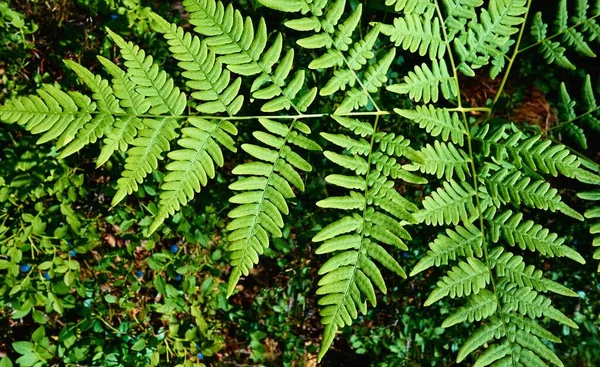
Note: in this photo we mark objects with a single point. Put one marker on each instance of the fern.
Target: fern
(265, 186)
(425, 83)
(350, 275)
(574, 36)
(414, 32)
(337, 39)
(488, 37)
(493, 174)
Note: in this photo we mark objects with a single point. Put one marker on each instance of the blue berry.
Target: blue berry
(46, 276)
(178, 277)
(25, 268)
(139, 273)
(72, 253)
(200, 355)
(113, 16)
(174, 249)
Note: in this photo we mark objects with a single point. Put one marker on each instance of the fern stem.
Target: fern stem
(558, 34)
(232, 118)
(513, 57)
(470, 109)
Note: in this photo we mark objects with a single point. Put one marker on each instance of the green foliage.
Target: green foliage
(494, 180)
(575, 32)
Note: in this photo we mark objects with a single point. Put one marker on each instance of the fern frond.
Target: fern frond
(576, 36)
(552, 51)
(151, 82)
(336, 38)
(444, 160)
(377, 211)
(264, 188)
(493, 329)
(165, 99)
(425, 83)
(437, 122)
(479, 307)
(143, 156)
(506, 186)
(512, 145)
(414, 32)
(55, 114)
(512, 267)
(108, 105)
(571, 36)
(484, 39)
(204, 72)
(528, 302)
(529, 235)
(462, 242)
(449, 205)
(458, 14)
(193, 165)
(464, 279)
(373, 79)
(572, 121)
(244, 50)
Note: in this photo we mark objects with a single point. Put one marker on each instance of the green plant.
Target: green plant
(494, 174)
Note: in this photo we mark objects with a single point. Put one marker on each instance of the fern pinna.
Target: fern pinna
(493, 174)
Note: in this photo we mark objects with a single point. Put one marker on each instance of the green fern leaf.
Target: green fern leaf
(425, 83)
(531, 152)
(529, 303)
(143, 156)
(479, 307)
(204, 72)
(376, 211)
(458, 14)
(444, 160)
(512, 267)
(245, 52)
(484, 38)
(54, 113)
(449, 205)
(552, 51)
(417, 33)
(437, 122)
(463, 242)
(410, 7)
(193, 165)
(263, 193)
(108, 105)
(529, 235)
(373, 79)
(464, 279)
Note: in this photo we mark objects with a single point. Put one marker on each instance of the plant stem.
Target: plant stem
(513, 57)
